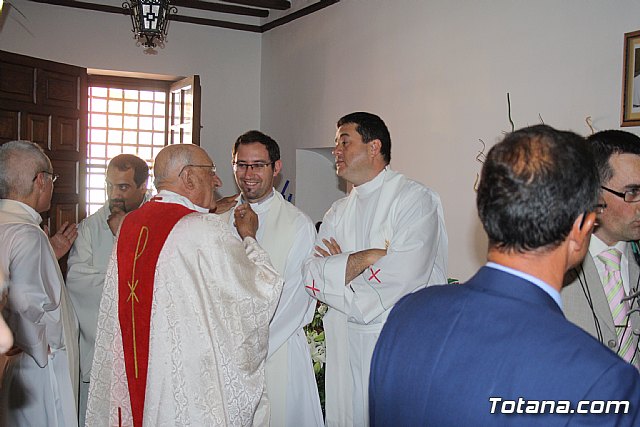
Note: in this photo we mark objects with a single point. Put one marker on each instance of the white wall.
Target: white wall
(317, 185)
(438, 72)
(227, 61)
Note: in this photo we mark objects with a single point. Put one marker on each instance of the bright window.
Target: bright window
(121, 121)
(136, 116)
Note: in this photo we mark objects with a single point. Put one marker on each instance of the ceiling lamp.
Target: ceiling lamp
(150, 20)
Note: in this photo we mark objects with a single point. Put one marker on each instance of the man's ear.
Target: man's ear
(277, 167)
(375, 147)
(188, 179)
(39, 182)
(582, 228)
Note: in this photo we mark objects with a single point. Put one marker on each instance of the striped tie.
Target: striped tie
(619, 309)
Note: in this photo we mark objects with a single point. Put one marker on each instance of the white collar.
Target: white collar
(17, 207)
(261, 206)
(597, 246)
(366, 189)
(166, 196)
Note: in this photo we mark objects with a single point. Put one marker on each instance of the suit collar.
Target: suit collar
(511, 286)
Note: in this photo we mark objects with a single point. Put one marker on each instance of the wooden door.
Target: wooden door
(46, 102)
(184, 111)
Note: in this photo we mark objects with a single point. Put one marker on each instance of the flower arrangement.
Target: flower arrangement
(315, 338)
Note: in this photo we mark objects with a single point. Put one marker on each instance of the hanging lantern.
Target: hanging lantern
(150, 19)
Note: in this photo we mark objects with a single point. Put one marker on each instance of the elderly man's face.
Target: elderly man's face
(44, 201)
(206, 181)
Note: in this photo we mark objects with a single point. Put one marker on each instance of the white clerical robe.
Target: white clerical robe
(288, 235)
(389, 212)
(40, 382)
(213, 298)
(87, 267)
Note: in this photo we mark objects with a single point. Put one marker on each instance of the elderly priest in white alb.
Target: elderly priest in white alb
(40, 379)
(183, 323)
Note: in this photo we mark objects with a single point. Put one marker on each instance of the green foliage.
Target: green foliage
(315, 338)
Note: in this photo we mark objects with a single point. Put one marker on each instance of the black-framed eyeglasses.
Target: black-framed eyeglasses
(240, 166)
(630, 196)
(212, 168)
(54, 176)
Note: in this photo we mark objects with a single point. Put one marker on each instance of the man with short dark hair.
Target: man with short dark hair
(287, 234)
(497, 350)
(383, 241)
(126, 186)
(602, 295)
(40, 380)
(183, 324)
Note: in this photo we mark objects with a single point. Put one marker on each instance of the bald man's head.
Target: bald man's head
(170, 160)
(188, 170)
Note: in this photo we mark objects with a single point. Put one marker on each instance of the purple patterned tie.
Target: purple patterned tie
(614, 291)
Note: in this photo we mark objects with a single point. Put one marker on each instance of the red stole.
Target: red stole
(142, 236)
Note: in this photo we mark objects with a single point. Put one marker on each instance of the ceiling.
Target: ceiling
(244, 15)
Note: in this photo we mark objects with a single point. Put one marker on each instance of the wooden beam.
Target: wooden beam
(223, 8)
(216, 23)
(193, 4)
(200, 21)
(86, 6)
(180, 18)
(297, 14)
(265, 4)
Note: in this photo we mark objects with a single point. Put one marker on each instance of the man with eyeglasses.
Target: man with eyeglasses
(40, 381)
(184, 316)
(601, 295)
(497, 350)
(385, 240)
(126, 189)
(287, 234)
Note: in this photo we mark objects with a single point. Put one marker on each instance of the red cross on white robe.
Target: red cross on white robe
(374, 274)
(313, 288)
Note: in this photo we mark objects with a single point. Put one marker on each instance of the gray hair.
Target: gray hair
(20, 162)
(169, 162)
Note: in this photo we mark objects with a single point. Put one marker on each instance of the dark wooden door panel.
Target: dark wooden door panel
(65, 213)
(66, 134)
(16, 82)
(58, 90)
(46, 102)
(67, 184)
(39, 130)
(9, 125)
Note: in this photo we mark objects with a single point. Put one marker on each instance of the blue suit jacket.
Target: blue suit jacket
(446, 350)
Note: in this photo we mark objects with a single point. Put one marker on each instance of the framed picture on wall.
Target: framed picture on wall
(631, 80)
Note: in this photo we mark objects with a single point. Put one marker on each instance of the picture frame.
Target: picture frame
(631, 80)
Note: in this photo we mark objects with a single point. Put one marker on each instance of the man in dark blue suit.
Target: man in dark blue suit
(498, 350)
